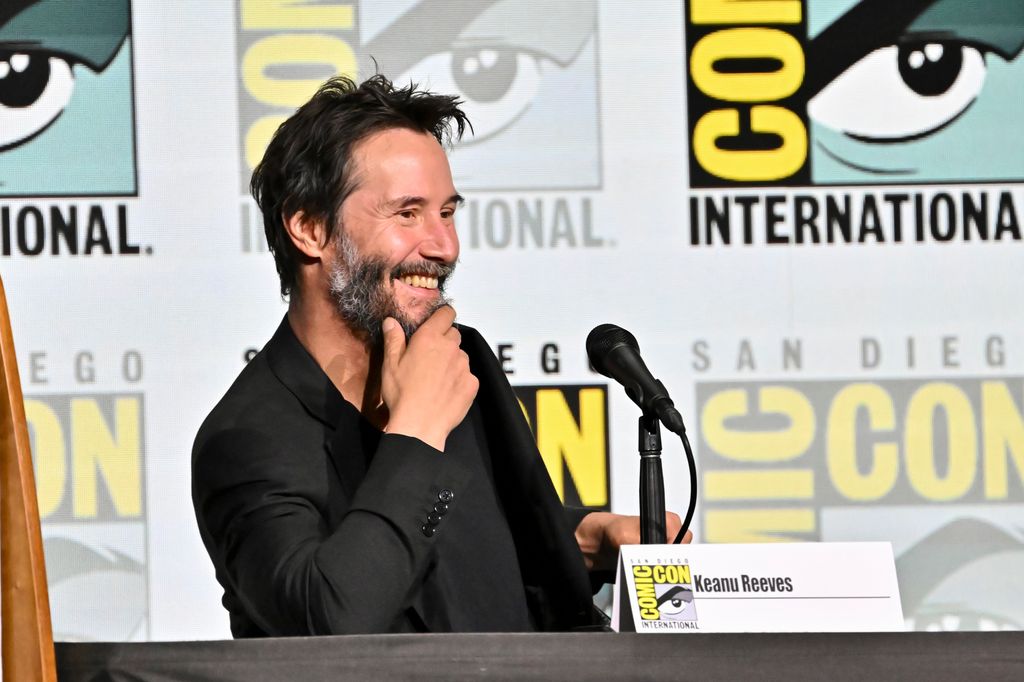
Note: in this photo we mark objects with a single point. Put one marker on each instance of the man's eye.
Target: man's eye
(497, 83)
(902, 92)
(34, 89)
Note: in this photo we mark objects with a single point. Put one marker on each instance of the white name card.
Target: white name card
(777, 587)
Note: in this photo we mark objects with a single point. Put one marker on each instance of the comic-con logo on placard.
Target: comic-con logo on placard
(847, 92)
(664, 594)
(526, 70)
(66, 103)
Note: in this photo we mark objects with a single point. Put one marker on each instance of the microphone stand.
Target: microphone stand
(652, 482)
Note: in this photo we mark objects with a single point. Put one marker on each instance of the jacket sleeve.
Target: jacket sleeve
(260, 509)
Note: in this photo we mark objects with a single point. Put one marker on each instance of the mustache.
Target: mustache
(424, 267)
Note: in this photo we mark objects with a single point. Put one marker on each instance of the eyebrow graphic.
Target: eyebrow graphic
(872, 24)
(869, 25)
(676, 592)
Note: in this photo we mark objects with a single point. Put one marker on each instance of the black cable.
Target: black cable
(693, 489)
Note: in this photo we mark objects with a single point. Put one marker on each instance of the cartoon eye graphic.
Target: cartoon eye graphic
(497, 83)
(673, 607)
(902, 92)
(34, 89)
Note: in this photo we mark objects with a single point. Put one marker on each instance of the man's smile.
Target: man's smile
(419, 281)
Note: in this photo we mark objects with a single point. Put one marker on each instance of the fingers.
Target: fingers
(440, 321)
(394, 341)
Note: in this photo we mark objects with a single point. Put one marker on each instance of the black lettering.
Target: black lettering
(747, 204)
(96, 232)
(896, 201)
(23, 231)
(123, 246)
(772, 219)
(716, 219)
(942, 231)
(65, 228)
(870, 222)
(975, 215)
(549, 362)
(806, 209)
(505, 357)
(838, 217)
(1006, 218)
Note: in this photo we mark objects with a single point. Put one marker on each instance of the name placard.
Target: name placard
(778, 587)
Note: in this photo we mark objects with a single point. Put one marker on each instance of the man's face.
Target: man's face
(396, 243)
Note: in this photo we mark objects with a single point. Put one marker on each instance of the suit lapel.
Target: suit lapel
(296, 369)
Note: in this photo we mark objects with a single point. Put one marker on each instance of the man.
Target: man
(370, 469)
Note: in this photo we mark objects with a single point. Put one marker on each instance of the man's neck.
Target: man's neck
(344, 355)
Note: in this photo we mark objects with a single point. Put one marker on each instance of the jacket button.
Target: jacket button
(428, 530)
(434, 519)
(440, 508)
(446, 495)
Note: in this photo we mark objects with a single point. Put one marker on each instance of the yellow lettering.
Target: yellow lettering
(290, 50)
(758, 525)
(920, 446)
(1003, 438)
(295, 14)
(117, 458)
(48, 455)
(759, 446)
(748, 43)
(746, 11)
(841, 443)
(581, 446)
(762, 484)
(751, 165)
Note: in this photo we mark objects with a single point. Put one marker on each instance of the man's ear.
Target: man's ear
(309, 235)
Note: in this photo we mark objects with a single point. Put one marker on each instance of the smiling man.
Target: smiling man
(370, 469)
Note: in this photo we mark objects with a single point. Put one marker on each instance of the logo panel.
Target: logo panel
(67, 120)
(851, 92)
(527, 73)
(89, 455)
(932, 465)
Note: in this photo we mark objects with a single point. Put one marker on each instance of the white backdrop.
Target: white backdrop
(833, 391)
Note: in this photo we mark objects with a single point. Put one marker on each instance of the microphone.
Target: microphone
(615, 353)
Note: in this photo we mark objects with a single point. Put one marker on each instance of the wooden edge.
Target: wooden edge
(27, 634)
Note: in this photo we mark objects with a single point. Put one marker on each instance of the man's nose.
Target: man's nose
(442, 242)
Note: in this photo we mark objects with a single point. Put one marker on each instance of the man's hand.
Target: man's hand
(426, 384)
(600, 535)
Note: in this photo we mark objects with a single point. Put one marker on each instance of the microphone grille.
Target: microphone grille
(602, 339)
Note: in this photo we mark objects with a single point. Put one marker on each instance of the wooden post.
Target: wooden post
(25, 617)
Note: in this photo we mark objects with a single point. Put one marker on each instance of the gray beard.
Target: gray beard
(363, 295)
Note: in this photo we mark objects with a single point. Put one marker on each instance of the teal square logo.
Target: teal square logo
(67, 117)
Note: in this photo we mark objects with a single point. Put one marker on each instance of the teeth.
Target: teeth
(421, 281)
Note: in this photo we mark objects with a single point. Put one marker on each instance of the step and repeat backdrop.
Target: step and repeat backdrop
(809, 212)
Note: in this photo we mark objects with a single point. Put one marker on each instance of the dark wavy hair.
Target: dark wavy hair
(308, 164)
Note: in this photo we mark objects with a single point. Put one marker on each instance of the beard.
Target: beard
(363, 290)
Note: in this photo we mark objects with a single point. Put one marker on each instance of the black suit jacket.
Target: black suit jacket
(307, 538)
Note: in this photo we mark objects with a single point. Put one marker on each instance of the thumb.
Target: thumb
(394, 341)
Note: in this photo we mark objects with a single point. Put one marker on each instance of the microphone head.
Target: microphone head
(604, 338)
